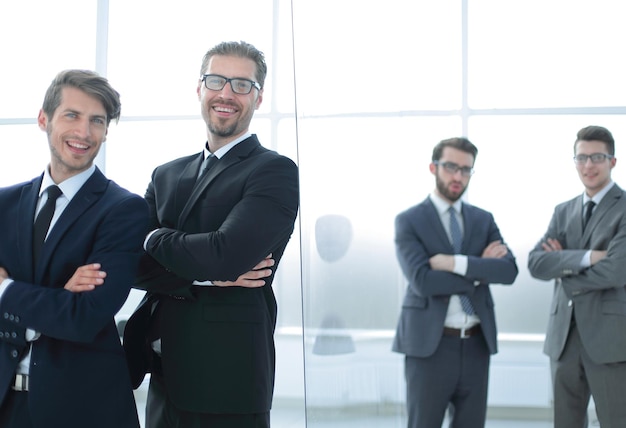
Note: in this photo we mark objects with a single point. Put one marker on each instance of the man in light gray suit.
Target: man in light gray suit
(584, 251)
(450, 251)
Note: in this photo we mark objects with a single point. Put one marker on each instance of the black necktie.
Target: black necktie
(588, 212)
(42, 223)
(207, 164)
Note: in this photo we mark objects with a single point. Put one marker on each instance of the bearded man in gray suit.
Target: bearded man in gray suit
(584, 251)
(450, 251)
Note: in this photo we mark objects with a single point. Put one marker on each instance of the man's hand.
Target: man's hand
(551, 244)
(596, 256)
(252, 279)
(495, 250)
(86, 278)
(442, 262)
(3, 274)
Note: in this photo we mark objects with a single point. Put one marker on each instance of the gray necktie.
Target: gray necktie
(457, 240)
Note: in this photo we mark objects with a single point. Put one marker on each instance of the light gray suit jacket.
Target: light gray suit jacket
(596, 295)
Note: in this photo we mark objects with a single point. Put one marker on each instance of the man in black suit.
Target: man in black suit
(213, 362)
(61, 360)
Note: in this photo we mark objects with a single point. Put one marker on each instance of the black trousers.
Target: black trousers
(14, 410)
(161, 413)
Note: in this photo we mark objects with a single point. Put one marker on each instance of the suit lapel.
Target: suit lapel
(234, 156)
(605, 205)
(186, 183)
(574, 224)
(89, 194)
(437, 226)
(27, 204)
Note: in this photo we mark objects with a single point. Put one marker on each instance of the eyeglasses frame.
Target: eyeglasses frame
(230, 80)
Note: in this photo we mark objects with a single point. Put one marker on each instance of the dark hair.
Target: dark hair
(596, 133)
(242, 50)
(460, 143)
(87, 81)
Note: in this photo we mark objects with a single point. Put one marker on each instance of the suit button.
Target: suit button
(14, 353)
(11, 317)
(6, 315)
(1, 335)
(570, 303)
(14, 335)
(17, 318)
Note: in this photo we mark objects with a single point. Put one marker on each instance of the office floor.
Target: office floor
(285, 416)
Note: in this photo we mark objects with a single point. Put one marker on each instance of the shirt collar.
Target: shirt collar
(442, 205)
(224, 149)
(598, 196)
(70, 186)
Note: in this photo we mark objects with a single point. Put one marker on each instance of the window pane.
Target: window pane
(156, 50)
(538, 53)
(359, 57)
(39, 39)
(24, 153)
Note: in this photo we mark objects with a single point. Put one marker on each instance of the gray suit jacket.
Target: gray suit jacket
(596, 295)
(419, 236)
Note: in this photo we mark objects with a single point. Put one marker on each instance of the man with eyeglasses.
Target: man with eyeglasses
(584, 252)
(450, 251)
(215, 214)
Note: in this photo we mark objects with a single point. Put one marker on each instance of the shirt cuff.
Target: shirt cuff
(32, 335)
(148, 236)
(460, 264)
(4, 285)
(586, 261)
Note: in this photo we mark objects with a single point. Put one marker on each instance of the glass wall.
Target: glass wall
(357, 94)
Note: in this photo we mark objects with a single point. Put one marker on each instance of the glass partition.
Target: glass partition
(358, 93)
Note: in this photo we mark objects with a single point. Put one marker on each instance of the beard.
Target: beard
(446, 193)
(222, 131)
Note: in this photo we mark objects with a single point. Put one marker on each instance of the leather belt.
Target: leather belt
(462, 333)
(20, 383)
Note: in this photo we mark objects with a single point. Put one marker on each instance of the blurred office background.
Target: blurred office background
(358, 93)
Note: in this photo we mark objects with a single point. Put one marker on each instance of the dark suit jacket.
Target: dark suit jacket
(78, 374)
(596, 295)
(419, 236)
(217, 343)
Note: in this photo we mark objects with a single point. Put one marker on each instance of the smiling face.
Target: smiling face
(75, 131)
(594, 176)
(227, 114)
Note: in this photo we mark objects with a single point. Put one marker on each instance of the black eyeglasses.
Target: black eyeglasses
(452, 168)
(215, 82)
(595, 158)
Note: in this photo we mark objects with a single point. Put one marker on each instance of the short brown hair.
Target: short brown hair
(460, 143)
(89, 82)
(596, 133)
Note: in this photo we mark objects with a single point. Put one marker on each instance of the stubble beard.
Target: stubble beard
(225, 131)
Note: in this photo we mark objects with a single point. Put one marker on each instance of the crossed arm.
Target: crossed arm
(88, 277)
(552, 244)
(445, 262)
